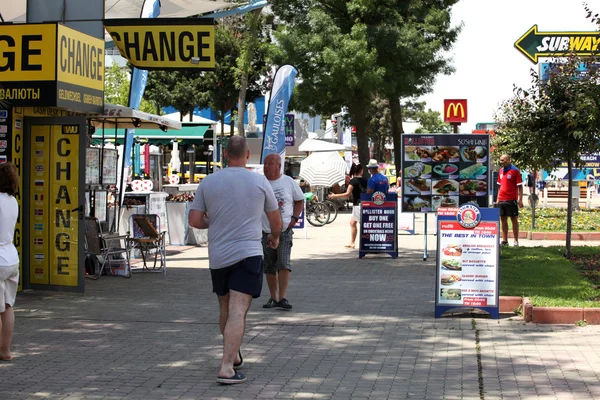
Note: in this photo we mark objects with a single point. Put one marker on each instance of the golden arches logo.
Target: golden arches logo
(454, 107)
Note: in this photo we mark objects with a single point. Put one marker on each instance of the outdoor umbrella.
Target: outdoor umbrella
(323, 169)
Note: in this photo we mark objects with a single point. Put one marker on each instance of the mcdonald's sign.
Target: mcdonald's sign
(455, 111)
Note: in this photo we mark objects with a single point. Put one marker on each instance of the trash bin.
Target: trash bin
(575, 193)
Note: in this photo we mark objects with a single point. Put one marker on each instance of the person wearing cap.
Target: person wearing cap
(377, 182)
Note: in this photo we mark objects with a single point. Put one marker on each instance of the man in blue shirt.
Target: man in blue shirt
(378, 182)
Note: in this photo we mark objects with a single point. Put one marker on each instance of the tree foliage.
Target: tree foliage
(557, 119)
(116, 88)
(348, 53)
(430, 121)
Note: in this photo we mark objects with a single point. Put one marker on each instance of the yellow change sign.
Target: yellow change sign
(174, 43)
(51, 65)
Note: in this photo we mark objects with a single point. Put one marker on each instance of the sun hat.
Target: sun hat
(373, 163)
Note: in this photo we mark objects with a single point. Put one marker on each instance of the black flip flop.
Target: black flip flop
(241, 364)
(238, 377)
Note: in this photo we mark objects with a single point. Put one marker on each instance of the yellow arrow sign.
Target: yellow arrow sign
(534, 44)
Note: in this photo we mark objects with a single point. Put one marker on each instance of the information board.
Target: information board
(444, 170)
(92, 166)
(378, 224)
(467, 259)
(109, 166)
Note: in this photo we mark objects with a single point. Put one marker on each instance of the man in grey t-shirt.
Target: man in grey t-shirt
(231, 203)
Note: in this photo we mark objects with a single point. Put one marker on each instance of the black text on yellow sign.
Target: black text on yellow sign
(175, 43)
(51, 65)
(64, 196)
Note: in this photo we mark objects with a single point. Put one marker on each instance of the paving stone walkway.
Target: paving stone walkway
(359, 329)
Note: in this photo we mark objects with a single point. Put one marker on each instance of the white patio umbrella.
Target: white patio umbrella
(323, 169)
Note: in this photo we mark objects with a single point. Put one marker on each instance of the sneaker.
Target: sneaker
(271, 303)
(283, 303)
(516, 244)
(503, 244)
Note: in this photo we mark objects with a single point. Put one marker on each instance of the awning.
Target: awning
(189, 134)
(15, 10)
(321, 145)
(116, 116)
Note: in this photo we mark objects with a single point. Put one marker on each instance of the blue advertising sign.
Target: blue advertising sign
(378, 224)
(468, 259)
(289, 128)
(300, 223)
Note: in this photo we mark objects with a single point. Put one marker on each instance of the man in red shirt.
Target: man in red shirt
(510, 198)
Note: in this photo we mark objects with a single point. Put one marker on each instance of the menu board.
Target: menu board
(109, 166)
(467, 258)
(378, 224)
(92, 166)
(444, 170)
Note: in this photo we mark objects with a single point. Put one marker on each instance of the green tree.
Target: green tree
(251, 62)
(349, 52)
(430, 121)
(116, 88)
(557, 119)
(411, 39)
(184, 90)
(328, 43)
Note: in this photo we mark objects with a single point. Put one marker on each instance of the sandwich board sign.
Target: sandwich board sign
(468, 254)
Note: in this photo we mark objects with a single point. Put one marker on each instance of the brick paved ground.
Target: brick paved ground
(360, 329)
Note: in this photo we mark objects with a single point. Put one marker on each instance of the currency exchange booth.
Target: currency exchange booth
(52, 78)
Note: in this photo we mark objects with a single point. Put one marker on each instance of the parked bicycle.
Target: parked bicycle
(317, 213)
(333, 210)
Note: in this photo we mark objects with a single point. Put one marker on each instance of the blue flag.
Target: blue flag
(274, 132)
(150, 9)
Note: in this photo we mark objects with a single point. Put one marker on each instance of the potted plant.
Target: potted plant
(177, 215)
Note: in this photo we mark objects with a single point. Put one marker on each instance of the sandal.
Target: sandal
(238, 377)
(349, 246)
(241, 364)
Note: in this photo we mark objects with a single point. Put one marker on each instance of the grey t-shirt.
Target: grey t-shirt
(235, 200)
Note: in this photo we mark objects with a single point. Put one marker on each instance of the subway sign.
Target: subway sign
(51, 65)
(455, 111)
(172, 44)
(534, 44)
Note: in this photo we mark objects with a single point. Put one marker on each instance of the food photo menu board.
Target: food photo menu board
(444, 170)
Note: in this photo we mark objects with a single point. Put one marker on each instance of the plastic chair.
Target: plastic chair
(147, 239)
(105, 247)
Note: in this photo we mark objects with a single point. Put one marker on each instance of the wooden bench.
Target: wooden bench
(564, 193)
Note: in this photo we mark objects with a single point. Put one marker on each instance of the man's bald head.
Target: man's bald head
(237, 147)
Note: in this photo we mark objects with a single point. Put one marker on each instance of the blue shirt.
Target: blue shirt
(379, 183)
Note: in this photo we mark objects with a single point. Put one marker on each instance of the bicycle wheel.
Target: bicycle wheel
(317, 214)
(333, 210)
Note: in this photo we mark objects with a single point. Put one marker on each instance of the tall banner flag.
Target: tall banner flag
(274, 132)
(150, 9)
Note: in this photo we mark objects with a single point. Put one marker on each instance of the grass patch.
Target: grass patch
(549, 279)
(555, 220)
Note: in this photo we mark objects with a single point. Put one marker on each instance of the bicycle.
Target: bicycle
(333, 210)
(317, 213)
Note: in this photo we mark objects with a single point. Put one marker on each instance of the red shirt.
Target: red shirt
(509, 179)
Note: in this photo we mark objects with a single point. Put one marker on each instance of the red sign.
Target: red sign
(455, 111)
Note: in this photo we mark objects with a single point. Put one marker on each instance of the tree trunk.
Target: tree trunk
(569, 207)
(242, 103)
(191, 115)
(397, 131)
(231, 123)
(358, 114)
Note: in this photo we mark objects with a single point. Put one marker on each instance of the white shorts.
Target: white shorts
(9, 281)
(356, 213)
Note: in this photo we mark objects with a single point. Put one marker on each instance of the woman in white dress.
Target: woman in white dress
(9, 258)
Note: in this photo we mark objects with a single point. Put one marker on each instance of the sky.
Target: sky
(487, 63)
